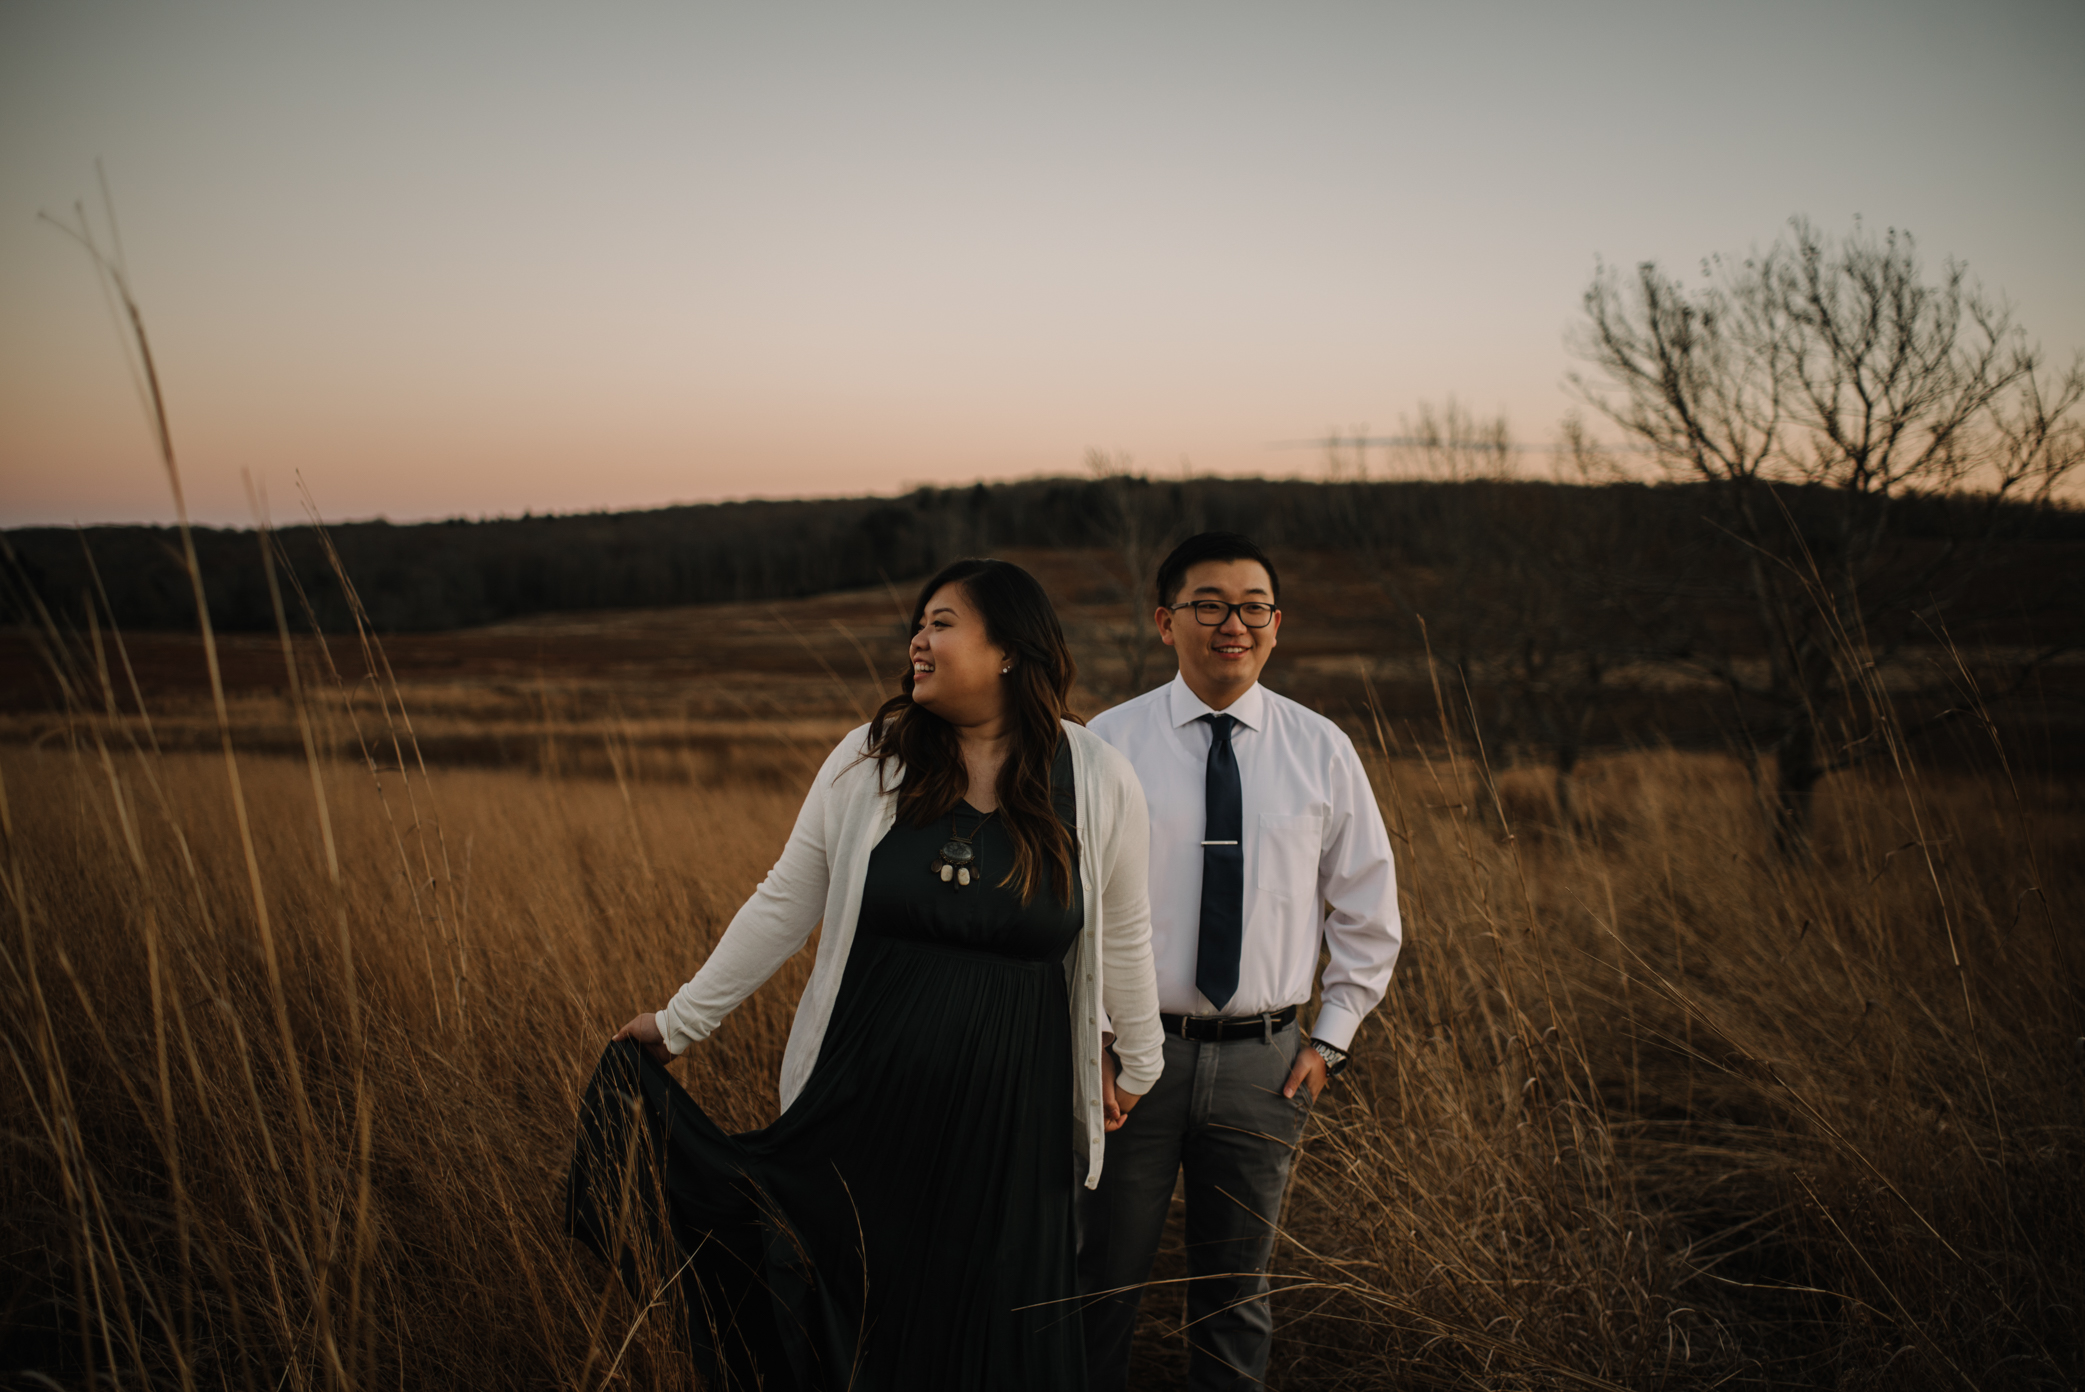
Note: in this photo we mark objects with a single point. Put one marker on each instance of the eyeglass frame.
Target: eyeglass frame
(1229, 609)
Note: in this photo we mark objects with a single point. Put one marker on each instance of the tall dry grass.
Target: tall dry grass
(294, 1052)
(1647, 1106)
(350, 1178)
(1655, 1106)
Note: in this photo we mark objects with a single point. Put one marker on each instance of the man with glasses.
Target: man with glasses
(1266, 846)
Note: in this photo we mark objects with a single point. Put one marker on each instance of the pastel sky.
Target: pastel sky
(481, 258)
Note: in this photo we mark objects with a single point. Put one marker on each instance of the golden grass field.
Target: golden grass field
(295, 1043)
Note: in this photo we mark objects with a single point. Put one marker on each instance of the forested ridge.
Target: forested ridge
(432, 576)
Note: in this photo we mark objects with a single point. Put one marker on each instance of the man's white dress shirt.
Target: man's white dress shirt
(1313, 837)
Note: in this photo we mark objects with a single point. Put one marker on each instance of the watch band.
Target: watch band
(1335, 1058)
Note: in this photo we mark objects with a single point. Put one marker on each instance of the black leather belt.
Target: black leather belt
(1219, 1027)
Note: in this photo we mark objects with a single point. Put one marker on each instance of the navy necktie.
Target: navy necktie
(1223, 868)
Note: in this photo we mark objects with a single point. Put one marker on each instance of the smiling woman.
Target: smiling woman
(978, 722)
(979, 863)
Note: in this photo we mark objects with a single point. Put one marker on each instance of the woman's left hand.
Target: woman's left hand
(1115, 1101)
(645, 1030)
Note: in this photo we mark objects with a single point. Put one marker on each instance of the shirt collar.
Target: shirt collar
(1184, 706)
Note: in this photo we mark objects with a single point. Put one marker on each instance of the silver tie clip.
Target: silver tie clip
(1219, 843)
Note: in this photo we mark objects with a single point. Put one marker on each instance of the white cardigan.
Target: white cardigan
(820, 876)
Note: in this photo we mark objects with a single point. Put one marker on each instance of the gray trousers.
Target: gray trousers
(1218, 1114)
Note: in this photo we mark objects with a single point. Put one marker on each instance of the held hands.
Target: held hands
(645, 1030)
(1310, 1069)
(1115, 1102)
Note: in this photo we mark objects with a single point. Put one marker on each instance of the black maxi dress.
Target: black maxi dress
(907, 1222)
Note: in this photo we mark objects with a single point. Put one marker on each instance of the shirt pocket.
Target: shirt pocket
(1286, 855)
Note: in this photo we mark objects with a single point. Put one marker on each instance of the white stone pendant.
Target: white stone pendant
(954, 862)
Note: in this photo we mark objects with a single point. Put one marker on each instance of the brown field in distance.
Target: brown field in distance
(289, 1103)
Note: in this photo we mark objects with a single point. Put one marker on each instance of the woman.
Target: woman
(908, 1220)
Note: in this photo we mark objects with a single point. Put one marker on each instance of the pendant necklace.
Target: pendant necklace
(957, 860)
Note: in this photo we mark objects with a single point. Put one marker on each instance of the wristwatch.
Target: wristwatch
(1335, 1059)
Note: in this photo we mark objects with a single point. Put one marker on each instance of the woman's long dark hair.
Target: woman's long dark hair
(1019, 618)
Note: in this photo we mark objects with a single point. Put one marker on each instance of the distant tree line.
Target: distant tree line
(440, 575)
(1556, 605)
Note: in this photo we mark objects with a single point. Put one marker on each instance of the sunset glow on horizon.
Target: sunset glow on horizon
(479, 260)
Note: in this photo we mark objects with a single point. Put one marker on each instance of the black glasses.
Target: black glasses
(1211, 612)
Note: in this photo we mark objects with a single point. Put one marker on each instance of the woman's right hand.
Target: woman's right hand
(645, 1030)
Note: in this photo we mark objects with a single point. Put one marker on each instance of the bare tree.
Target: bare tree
(1818, 386)
(1452, 444)
(1538, 597)
(1346, 456)
(1577, 457)
(1578, 592)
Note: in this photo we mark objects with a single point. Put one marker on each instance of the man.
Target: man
(1261, 817)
